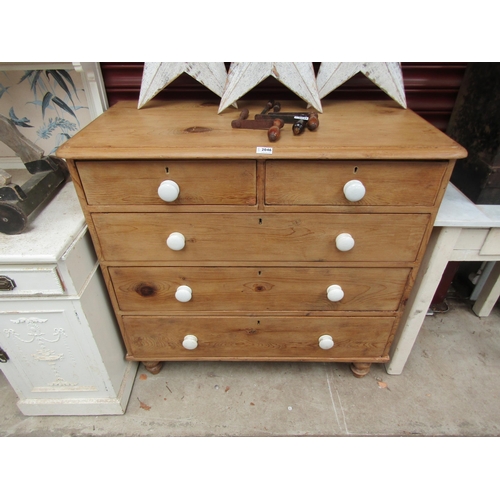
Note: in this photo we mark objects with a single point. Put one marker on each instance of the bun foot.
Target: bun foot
(360, 369)
(153, 367)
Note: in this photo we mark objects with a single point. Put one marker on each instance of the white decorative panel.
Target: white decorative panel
(44, 349)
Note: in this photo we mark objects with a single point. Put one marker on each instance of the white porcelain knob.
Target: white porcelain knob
(184, 293)
(354, 190)
(176, 241)
(344, 242)
(190, 342)
(168, 191)
(335, 293)
(326, 342)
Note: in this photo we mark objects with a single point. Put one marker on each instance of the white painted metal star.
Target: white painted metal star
(157, 75)
(244, 76)
(387, 76)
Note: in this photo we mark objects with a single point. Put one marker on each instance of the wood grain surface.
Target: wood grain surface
(152, 289)
(209, 182)
(260, 229)
(184, 129)
(284, 237)
(160, 337)
(387, 183)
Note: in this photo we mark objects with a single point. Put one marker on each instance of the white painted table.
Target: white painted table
(462, 231)
(65, 353)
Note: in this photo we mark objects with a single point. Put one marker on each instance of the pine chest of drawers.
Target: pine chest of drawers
(214, 250)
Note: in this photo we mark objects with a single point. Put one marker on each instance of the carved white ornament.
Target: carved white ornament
(34, 331)
(387, 76)
(29, 320)
(298, 77)
(157, 75)
(44, 354)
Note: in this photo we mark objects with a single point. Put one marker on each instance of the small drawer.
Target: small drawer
(203, 182)
(293, 237)
(356, 183)
(251, 338)
(252, 289)
(29, 281)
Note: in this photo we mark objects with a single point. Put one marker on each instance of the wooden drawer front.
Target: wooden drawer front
(393, 183)
(161, 337)
(208, 182)
(249, 289)
(260, 237)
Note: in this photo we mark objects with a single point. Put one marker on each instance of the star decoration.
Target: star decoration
(244, 76)
(157, 75)
(387, 76)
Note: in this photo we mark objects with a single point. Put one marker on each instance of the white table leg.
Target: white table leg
(489, 294)
(435, 260)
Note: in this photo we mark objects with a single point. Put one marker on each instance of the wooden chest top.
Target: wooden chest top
(194, 130)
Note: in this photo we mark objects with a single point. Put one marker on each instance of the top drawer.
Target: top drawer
(209, 182)
(386, 183)
(30, 280)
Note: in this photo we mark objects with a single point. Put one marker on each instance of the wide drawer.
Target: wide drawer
(30, 280)
(260, 237)
(220, 289)
(203, 182)
(161, 337)
(387, 183)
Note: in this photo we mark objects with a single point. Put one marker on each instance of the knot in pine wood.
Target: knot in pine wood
(197, 130)
(146, 290)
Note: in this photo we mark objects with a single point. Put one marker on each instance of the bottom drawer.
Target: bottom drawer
(250, 338)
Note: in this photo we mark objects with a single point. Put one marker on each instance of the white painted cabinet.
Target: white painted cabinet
(57, 327)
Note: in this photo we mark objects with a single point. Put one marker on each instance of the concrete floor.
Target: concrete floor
(449, 388)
